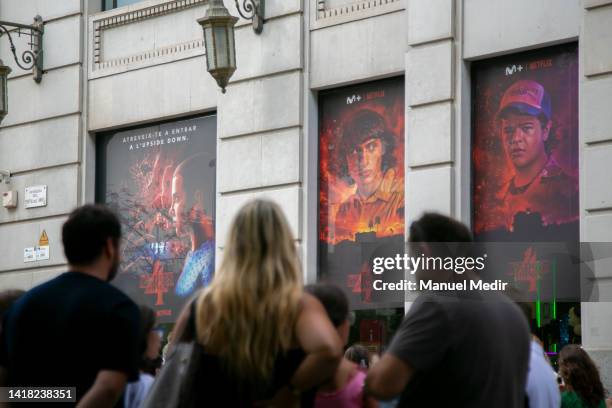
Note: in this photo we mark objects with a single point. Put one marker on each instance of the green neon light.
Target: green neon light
(554, 304)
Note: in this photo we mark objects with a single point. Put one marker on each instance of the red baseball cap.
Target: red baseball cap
(527, 97)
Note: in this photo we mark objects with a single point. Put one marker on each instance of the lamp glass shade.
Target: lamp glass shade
(222, 46)
(218, 26)
(3, 95)
(210, 46)
(4, 72)
(232, 47)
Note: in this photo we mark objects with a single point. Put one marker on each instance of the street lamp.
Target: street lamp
(218, 26)
(4, 72)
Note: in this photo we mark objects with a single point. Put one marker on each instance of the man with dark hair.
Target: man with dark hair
(77, 330)
(538, 183)
(460, 348)
(367, 159)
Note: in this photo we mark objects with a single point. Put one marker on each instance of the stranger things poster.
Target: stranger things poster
(361, 187)
(160, 180)
(525, 167)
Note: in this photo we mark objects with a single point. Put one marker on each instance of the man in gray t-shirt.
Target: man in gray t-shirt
(460, 348)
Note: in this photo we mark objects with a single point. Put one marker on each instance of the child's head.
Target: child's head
(336, 305)
(359, 355)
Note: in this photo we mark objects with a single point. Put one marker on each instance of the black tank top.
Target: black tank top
(217, 388)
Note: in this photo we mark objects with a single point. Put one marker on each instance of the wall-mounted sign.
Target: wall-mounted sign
(29, 254)
(44, 239)
(42, 253)
(35, 196)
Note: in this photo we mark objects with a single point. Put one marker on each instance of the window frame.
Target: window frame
(114, 4)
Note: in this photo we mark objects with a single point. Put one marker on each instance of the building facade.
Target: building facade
(142, 65)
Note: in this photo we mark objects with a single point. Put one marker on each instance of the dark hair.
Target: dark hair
(580, 373)
(86, 232)
(7, 298)
(147, 323)
(358, 354)
(363, 125)
(432, 227)
(333, 299)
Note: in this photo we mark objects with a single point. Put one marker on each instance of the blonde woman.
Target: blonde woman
(265, 341)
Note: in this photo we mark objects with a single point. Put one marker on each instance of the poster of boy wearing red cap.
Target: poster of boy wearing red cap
(539, 182)
(525, 145)
(525, 207)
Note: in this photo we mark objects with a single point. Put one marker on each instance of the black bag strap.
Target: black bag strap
(190, 330)
(189, 390)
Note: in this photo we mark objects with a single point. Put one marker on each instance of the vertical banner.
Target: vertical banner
(160, 180)
(361, 186)
(525, 174)
(525, 146)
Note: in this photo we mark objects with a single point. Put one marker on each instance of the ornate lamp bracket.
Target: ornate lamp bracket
(32, 58)
(254, 10)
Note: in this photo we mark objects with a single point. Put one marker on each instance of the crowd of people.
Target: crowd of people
(257, 337)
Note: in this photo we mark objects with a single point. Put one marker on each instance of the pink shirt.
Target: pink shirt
(350, 396)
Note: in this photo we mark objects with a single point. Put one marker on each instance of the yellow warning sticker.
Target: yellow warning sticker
(44, 239)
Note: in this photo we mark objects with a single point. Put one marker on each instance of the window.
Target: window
(160, 181)
(112, 4)
(361, 154)
(525, 111)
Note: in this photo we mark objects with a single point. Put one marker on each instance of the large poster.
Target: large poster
(361, 185)
(161, 182)
(525, 169)
(525, 146)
